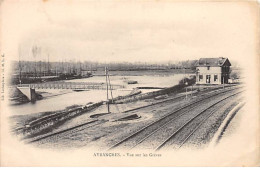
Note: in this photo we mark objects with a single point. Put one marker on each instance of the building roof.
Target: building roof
(213, 62)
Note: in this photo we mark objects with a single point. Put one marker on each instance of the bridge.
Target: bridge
(29, 89)
(71, 85)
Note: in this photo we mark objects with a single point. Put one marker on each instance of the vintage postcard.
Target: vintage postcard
(129, 83)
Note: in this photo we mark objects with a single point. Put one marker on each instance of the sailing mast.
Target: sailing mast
(20, 66)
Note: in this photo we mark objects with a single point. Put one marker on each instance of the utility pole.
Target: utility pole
(186, 97)
(108, 110)
(183, 76)
(110, 88)
(223, 82)
(191, 90)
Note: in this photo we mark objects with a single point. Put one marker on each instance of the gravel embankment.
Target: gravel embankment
(104, 135)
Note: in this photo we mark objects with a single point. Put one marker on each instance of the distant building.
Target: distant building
(212, 70)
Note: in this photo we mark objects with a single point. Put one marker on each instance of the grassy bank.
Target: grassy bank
(174, 89)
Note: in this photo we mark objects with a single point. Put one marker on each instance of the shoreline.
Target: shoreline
(36, 123)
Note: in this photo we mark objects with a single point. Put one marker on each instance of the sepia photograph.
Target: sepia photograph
(129, 83)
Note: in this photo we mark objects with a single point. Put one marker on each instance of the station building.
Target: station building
(212, 70)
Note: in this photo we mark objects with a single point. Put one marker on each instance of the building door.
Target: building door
(223, 80)
(207, 78)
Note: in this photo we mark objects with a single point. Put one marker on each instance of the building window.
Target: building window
(207, 78)
(215, 77)
(208, 67)
(200, 77)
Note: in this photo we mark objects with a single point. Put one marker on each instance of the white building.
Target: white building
(212, 70)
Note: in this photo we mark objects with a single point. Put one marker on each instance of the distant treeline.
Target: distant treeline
(56, 68)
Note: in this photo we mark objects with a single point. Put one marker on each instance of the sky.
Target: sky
(127, 31)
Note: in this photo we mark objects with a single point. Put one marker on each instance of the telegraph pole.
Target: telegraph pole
(110, 88)
(186, 97)
(108, 110)
(223, 82)
(191, 90)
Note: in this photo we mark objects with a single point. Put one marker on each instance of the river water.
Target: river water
(60, 99)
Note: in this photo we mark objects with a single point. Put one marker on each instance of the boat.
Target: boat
(132, 82)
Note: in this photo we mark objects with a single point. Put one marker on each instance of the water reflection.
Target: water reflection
(60, 99)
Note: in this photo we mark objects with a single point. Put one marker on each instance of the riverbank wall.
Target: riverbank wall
(46, 123)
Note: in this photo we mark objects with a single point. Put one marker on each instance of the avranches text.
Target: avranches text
(104, 154)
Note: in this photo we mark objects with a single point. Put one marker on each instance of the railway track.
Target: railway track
(191, 125)
(139, 136)
(90, 124)
(167, 127)
(177, 98)
(68, 131)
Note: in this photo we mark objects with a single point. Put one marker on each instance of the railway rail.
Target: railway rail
(91, 124)
(179, 97)
(167, 126)
(142, 134)
(69, 130)
(197, 120)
